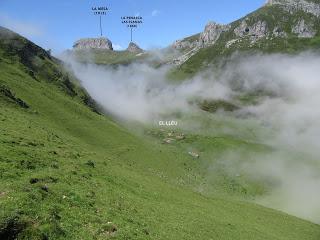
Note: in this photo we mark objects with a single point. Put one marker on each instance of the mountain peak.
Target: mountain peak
(308, 6)
(93, 43)
(212, 33)
(272, 2)
(134, 48)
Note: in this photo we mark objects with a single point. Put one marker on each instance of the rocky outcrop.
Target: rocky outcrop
(256, 28)
(211, 33)
(303, 30)
(242, 29)
(209, 36)
(279, 32)
(295, 5)
(181, 59)
(256, 31)
(93, 43)
(134, 48)
(231, 42)
(184, 44)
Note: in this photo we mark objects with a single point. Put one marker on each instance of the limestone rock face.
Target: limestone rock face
(295, 5)
(93, 43)
(212, 33)
(134, 48)
(183, 58)
(208, 37)
(299, 18)
(303, 30)
(278, 32)
(256, 31)
(183, 44)
(242, 29)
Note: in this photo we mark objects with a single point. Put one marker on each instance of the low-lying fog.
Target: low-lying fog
(141, 93)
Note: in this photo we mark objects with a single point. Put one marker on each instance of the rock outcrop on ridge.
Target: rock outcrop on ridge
(281, 19)
(93, 43)
(211, 33)
(295, 5)
(134, 48)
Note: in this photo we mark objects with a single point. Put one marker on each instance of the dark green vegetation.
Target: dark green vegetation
(275, 17)
(215, 105)
(67, 172)
(5, 92)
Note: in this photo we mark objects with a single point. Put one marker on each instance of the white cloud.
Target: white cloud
(155, 13)
(27, 29)
(117, 47)
(288, 118)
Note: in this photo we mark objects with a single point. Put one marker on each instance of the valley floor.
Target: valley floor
(67, 172)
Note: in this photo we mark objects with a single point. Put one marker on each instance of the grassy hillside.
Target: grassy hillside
(67, 172)
(104, 56)
(275, 17)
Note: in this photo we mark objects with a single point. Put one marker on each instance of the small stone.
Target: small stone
(111, 228)
(45, 188)
(34, 180)
(146, 231)
(90, 164)
(168, 140)
(180, 136)
(194, 155)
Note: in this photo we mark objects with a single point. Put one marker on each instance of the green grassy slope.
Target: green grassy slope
(274, 16)
(103, 56)
(67, 172)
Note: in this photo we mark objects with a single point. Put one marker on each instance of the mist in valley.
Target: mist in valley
(288, 109)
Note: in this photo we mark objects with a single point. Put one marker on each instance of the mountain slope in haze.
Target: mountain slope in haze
(106, 57)
(286, 26)
(100, 51)
(67, 172)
